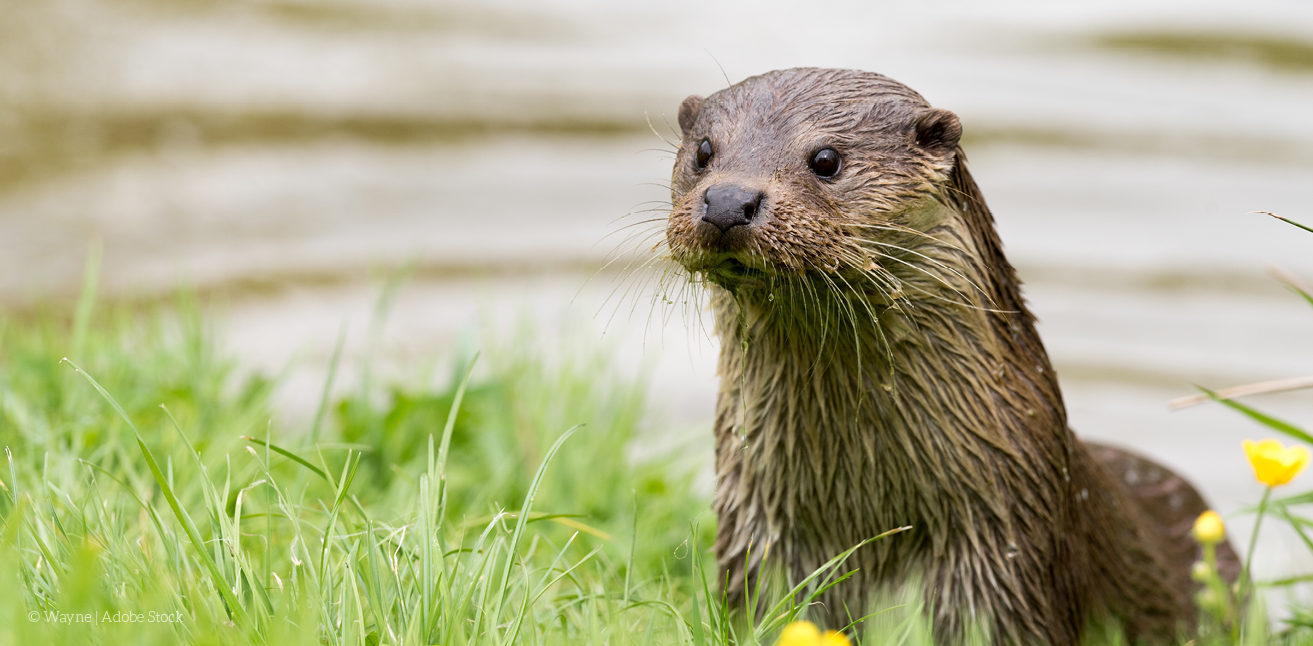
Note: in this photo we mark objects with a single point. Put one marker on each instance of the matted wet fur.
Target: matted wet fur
(879, 368)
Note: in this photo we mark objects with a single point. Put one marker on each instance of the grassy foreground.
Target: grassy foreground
(146, 496)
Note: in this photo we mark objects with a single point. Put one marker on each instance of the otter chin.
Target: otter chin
(879, 368)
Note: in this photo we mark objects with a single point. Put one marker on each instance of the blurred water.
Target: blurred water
(280, 155)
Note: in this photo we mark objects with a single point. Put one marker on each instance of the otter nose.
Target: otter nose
(729, 206)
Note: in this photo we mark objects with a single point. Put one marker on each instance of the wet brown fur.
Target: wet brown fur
(879, 368)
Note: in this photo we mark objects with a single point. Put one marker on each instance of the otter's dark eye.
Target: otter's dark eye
(826, 162)
(704, 154)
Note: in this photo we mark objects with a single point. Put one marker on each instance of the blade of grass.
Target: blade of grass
(237, 611)
(1286, 220)
(431, 518)
(433, 491)
(243, 557)
(289, 455)
(159, 525)
(445, 445)
(13, 476)
(633, 545)
(481, 608)
(375, 588)
(1260, 417)
(344, 483)
(525, 511)
(1281, 583)
(230, 529)
(87, 300)
(699, 579)
(560, 519)
(1260, 388)
(854, 622)
(826, 569)
(1292, 282)
(328, 385)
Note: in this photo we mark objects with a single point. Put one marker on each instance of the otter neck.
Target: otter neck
(845, 413)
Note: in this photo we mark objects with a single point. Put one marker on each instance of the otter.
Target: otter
(880, 368)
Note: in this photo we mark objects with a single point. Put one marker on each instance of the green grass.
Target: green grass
(110, 506)
(143, 475)
(143, 479)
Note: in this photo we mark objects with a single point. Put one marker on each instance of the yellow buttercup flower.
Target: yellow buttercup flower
(834, 638)
(1274, 463)
(805, 633)
(799, 633)
(1209, 528)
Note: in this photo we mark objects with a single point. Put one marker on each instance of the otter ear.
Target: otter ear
(938, 131)
(688, 112)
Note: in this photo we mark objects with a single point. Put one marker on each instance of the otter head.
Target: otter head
(802, 171)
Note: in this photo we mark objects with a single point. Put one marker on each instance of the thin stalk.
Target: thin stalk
(1242, 596)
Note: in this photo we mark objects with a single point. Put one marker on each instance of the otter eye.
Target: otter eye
(826, 162)
(704, 154)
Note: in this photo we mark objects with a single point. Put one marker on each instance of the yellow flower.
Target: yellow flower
(834, 638)
(805, 633)
(800, 633)
(1275, 464)
(1209, 528)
